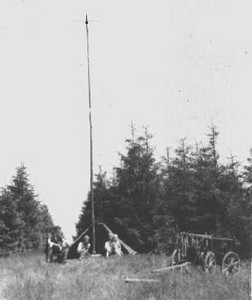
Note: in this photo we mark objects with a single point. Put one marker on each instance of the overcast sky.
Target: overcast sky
(174, 66)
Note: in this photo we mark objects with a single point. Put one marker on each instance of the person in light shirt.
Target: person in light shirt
(113, 246)
(84, 247)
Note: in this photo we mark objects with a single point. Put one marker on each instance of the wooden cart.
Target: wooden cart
(207, 251)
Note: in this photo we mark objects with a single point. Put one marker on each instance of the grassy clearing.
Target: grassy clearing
(31, 278)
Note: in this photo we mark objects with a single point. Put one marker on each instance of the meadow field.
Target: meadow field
(29, 277)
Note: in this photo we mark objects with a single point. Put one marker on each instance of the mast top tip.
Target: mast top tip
(86, 19)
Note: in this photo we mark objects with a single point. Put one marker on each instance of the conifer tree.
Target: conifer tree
(101, 200)
(27, 206)
(208, 199)
(179, 188)
(245, 211)
(138, 190)
(128, 203)
(24, 221)
(11, 223)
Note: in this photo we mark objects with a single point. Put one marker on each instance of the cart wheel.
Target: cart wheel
(210, 261)
(230, 263)
(176, 258)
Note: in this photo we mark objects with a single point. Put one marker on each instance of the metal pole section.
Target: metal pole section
(91, 141)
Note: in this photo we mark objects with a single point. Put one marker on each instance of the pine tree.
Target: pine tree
(11, 225)
(138, 190)
(245, 208)
(24, 221)
(128, 204)
(209, 202)
(101, 199)
(27, 206)
(247, 174)
(179, 191)
(44, 225)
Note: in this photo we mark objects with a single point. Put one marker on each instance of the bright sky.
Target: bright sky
(174, 66)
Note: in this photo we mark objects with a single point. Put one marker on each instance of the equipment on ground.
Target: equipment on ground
(207, 251)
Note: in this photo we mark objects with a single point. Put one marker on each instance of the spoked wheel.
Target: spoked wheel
(210, 261)
(176, 257)
(230, 263)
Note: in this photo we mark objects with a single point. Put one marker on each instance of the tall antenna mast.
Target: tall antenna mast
(91, 141)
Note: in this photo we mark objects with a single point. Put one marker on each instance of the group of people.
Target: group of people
(112, 246)
(57, 248)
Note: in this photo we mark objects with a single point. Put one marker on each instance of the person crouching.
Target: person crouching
(84, 247)
(113, 246)
(57, 248)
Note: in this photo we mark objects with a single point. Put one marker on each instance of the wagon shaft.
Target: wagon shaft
(162, 270)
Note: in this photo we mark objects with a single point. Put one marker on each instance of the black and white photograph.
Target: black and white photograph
(126, 150)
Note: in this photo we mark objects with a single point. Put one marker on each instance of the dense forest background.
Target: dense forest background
(148, 201)
(24, 220)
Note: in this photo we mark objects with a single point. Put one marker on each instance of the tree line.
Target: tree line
(24, 220)
(147, 202)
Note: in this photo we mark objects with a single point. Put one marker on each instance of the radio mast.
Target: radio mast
(91, 141)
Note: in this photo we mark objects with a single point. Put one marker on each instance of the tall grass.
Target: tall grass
(31, 278)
